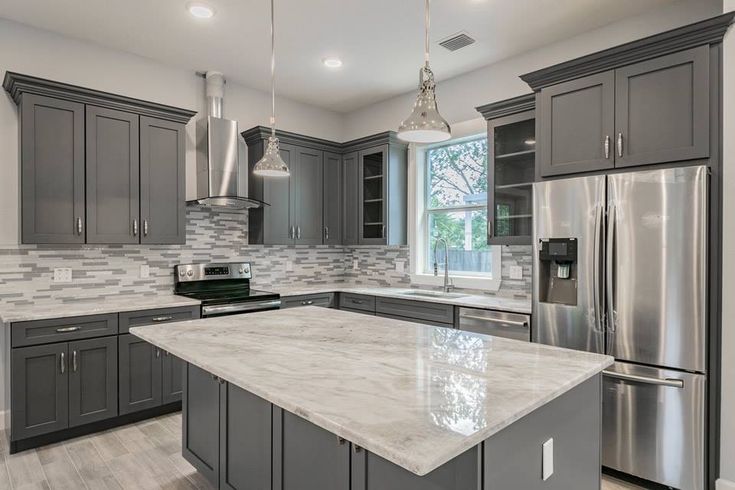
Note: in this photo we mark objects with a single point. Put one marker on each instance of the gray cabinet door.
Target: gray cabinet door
(332, 199)
(351, 207)
(172, 369)
(113, 182)
(200, 422)
(52, 170)
(140, 374)
(575, 125)
(307, 182)
(245, 440)
(92, 380)
(39, 390)
(162, 181)
(277, 191)
(307, 457)
(662, 109)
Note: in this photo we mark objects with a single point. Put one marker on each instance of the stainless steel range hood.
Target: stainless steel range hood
(220, 183)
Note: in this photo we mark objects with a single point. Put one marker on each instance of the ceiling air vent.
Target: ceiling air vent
(457, 41)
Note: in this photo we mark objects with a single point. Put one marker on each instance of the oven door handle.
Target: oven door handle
(241, 307)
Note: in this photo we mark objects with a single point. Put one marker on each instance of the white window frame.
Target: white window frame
(418, 221)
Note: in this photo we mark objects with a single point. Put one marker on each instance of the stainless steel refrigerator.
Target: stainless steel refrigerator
(620, 267)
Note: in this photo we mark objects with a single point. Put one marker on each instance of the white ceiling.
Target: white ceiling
(380, 41)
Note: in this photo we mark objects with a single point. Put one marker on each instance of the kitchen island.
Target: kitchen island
(318, 399)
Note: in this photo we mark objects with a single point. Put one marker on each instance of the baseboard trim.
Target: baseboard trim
(723, 484)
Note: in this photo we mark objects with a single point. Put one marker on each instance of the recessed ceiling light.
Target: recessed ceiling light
(200, 10)
(332, 62)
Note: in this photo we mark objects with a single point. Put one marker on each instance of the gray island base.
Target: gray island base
(315, 399)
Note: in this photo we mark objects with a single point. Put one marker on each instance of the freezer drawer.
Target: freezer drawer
(497, 323)
(654, 424)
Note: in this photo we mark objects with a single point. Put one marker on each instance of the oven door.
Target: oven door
(237, 308)
(653, 424)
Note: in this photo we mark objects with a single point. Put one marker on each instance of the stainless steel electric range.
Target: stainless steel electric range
(223, 288)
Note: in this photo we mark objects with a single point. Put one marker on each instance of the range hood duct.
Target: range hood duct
(219, 180)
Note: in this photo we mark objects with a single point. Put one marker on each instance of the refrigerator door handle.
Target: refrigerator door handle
(610, 266)
(670, 382)
(596, 280)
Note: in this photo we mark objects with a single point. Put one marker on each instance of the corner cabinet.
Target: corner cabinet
(98, 168)
(511, 157)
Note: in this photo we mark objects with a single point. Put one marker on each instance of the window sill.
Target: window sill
(468, 282)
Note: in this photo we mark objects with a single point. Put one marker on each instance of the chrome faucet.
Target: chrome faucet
(448, 286)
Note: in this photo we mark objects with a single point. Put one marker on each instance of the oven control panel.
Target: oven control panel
(209, 272)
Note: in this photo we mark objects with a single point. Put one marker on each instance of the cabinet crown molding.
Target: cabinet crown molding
(708, 31)
(260, 133)
(507, 107)
(17, 84)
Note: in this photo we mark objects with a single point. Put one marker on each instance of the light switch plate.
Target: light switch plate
(547, 462)
(289, 266)
(400, 266)
(62, 274)
(516, 272)
(145, 271)
(355, 264)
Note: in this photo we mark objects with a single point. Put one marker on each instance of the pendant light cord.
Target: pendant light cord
(273, 72)
(427, 21)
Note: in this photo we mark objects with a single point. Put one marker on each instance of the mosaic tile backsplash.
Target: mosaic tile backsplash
(26, 271)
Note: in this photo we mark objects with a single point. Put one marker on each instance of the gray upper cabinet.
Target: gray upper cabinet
(91, 162)
(575, 125)
(162, 181)
(270, 224)
(92, 380)
(113, 180)
(307, 181)
(333, 204)
(52, 170)
(662, 109)
(350, 208)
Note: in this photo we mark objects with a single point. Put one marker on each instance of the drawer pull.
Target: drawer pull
(357, 301)
(307, 303)
(67, 329)
(161, 318)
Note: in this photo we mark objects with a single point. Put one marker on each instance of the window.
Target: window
(455, 207)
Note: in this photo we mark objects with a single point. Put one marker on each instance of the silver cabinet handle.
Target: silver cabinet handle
(166, 353)
(307, 303)
(357, 301)
(74, 361)
(67, 329)
(607, 146)
(62, 363)
(158, 352)
(382, 232)
(620, 144)
(79, 226)
(161, 318)
(341, 441)
(326, 233)
(145, 227)
(515, 323)
(670, 382)
(135, 227)
(292, 232)
(298, 233)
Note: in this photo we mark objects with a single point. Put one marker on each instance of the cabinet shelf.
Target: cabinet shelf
(516, 154)
(374, 223)
(368, 201)
(515, 216)
(514, 186)
(373, 177)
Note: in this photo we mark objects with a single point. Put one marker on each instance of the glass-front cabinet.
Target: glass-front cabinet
(511, 172)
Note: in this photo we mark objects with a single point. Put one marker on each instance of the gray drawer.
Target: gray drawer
(416, 320)
(62, 329)
(361, 312)
(419, 310)
(357, 302)
(325, 300)
(131, 319)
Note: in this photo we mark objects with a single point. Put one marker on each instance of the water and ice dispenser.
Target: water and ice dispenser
(558, 274)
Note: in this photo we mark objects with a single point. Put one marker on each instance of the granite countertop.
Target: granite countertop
(511, 305)
(10, 313)
(415, 395)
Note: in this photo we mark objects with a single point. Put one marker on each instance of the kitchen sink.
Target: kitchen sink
(433, 294)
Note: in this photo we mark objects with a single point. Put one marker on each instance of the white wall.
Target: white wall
(459, 96)
(727, 432)
(40, 53)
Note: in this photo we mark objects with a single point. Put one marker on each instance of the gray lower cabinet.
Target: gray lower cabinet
(140, 374)
(200, 422)
(39, 390)
(162, 181)
(361, 302)
(172, 383)
(416, 310)
(325, 300)
(332, 205)
(92, 380)
(351, 206)
(113, 176)
(52, 170)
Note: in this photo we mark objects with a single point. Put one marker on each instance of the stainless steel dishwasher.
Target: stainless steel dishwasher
(498, 323)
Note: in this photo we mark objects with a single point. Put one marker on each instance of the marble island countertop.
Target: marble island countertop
(415, 395)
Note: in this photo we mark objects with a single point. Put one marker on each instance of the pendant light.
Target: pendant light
(425, 124)
(272, 165)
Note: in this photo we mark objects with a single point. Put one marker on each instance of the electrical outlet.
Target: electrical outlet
(62, 274)
(400, 266)
(289, 266)
(547, 461)
(145, 271)
(355, 264)
(516, 272)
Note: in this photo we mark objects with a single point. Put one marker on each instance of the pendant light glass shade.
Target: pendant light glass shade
(272, 165)
(425, 124)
